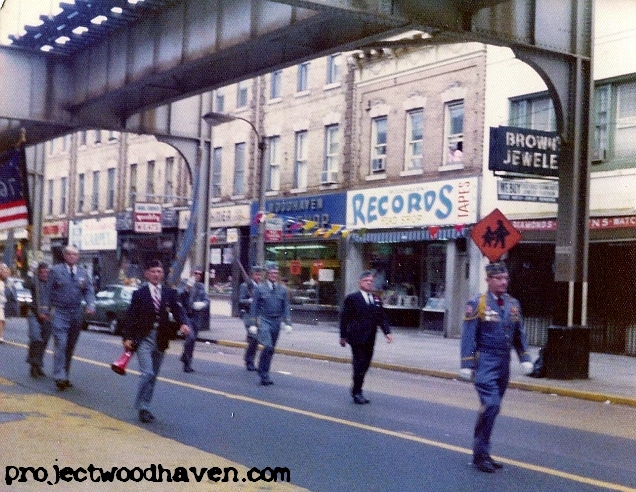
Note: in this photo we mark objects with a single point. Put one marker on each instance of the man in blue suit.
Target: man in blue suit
(149, 325)
(270, 304)
(70, 284)
(492, 327)
(361, 314)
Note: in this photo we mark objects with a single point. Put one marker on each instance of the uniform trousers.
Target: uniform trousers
(267, 336)
(39, 335)
(252, 347)
(361, 359)
(188, 345)
(67, 324)
(491, 381)
(149, 358)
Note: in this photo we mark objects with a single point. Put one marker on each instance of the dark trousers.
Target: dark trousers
(197, 319)
(39, 335)
(491, 381)
(362, 355)
(250, 351)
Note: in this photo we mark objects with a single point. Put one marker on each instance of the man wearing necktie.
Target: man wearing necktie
(148, 328)
(492, 327)
(70, 285)
(360, 317)
(270, 304)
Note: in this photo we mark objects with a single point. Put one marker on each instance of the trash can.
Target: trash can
(567, 352)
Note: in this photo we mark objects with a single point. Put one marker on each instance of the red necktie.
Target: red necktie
(500, 301)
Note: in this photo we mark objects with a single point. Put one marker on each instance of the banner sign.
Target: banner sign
(14, 200)
(519, 190)
(523, 151)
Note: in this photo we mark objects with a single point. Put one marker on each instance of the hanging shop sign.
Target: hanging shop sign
(449, 202)
(522, 151)
(147, 217)
(520, 190)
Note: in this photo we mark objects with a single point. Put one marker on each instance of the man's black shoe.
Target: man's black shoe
(359, 400)
(146, 417)
(188, 369)
(251, 367)
(266, 382)
(61, 384)
(496, 464)
(484, 466)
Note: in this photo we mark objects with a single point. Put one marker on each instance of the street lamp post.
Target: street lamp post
(214, 119)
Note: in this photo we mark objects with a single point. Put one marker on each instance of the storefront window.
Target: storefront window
(311, 271)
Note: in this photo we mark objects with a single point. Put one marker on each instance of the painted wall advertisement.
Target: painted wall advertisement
(449, 202)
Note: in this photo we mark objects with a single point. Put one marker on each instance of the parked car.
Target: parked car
(24, 295)
(111, 304)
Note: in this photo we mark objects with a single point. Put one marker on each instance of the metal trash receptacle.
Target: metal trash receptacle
(567, 352)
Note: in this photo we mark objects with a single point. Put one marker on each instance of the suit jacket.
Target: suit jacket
(68, 292)
(359, 321)
(141, 316)
(271, 303)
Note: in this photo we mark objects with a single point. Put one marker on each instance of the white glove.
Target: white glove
(287, 328)
(198, 305)
(466, 374)
(252, 330)
(527, 367)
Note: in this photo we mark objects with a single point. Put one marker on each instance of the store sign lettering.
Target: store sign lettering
(524, 151)
(448, 202)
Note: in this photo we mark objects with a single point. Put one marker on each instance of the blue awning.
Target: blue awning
(410, 235)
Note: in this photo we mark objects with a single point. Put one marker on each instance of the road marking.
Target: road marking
(378, 430)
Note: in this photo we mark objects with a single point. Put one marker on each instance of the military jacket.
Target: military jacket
(491, 328)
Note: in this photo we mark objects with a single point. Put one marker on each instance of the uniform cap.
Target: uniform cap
(271, 266)
(496, 269)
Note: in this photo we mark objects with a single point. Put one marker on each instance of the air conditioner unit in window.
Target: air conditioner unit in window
(377, 165)
(599, 155)
(328, 177)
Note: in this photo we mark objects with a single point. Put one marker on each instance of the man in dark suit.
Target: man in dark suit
(148, 327)
(361, 314)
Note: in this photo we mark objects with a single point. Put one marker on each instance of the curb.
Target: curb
(539, 388)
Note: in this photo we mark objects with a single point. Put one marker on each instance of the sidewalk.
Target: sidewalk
(612, 378)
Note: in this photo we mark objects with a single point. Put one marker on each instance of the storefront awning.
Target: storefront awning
(432, 233)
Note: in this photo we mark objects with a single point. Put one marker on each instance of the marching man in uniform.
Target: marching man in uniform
(492, 327)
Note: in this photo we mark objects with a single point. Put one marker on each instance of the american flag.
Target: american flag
(14, 201)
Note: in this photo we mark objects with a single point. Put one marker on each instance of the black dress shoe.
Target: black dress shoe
(146, 417)
(61, 384)
(188, 369)
(359, 400)
(484, 466)
(251, 367)
(266, 382)
(496, 464)
(68, 384)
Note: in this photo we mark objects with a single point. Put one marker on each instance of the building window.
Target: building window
(63, 194)
(334, 68)
(276, 84)
(215, 183)
(81, 191)
(49, 208)
(273, 163)
(241, 94)
(414, 140)
(95, 198)
(378, 145)
(601, 123)
(300, 160)
(112, 135)
(132, 191)
(239, 168)
(219, 101)
(51, 144)
(150, 181)
(535, 113)
(110, 193)
(65, 143)
(98, 136)
(168, 191)
(625, 136)
(302, 81)
(331, 163)
(454, 133)
(82, 138)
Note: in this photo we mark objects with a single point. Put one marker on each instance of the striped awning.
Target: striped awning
(432, 233)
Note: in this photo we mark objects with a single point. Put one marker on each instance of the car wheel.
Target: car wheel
(113, 326)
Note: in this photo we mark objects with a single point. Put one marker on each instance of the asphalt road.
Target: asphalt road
(415, 435)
